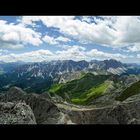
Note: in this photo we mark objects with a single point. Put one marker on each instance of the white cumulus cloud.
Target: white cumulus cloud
(69, 52)
(110, 31)
(54, 41)
(104, 55)
(16, 36)
(50, 40)
(33, 56)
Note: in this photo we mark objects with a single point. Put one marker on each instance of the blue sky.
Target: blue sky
(46, 38)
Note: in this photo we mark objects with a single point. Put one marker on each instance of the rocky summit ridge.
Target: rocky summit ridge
(44, 110)
(19, 107)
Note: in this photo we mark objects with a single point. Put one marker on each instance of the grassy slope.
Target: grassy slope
(91, 93)
(132, 90)
(82, 90)
(55, 87)
(76, 87)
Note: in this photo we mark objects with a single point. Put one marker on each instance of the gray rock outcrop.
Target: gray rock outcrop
(127, 112)
(16, 113)
(18, 107)
(45, 111)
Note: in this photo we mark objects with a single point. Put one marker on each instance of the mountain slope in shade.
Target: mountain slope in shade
(112, 64)
(130, 91)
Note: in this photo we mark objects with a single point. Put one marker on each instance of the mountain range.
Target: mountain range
(69, 86)
(39, 75)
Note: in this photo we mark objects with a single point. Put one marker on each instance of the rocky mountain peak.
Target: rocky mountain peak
(112, 63)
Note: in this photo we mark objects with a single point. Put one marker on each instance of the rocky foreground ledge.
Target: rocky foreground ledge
(44, 110)
(122, 113)
(18, 107)
(16, 113)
